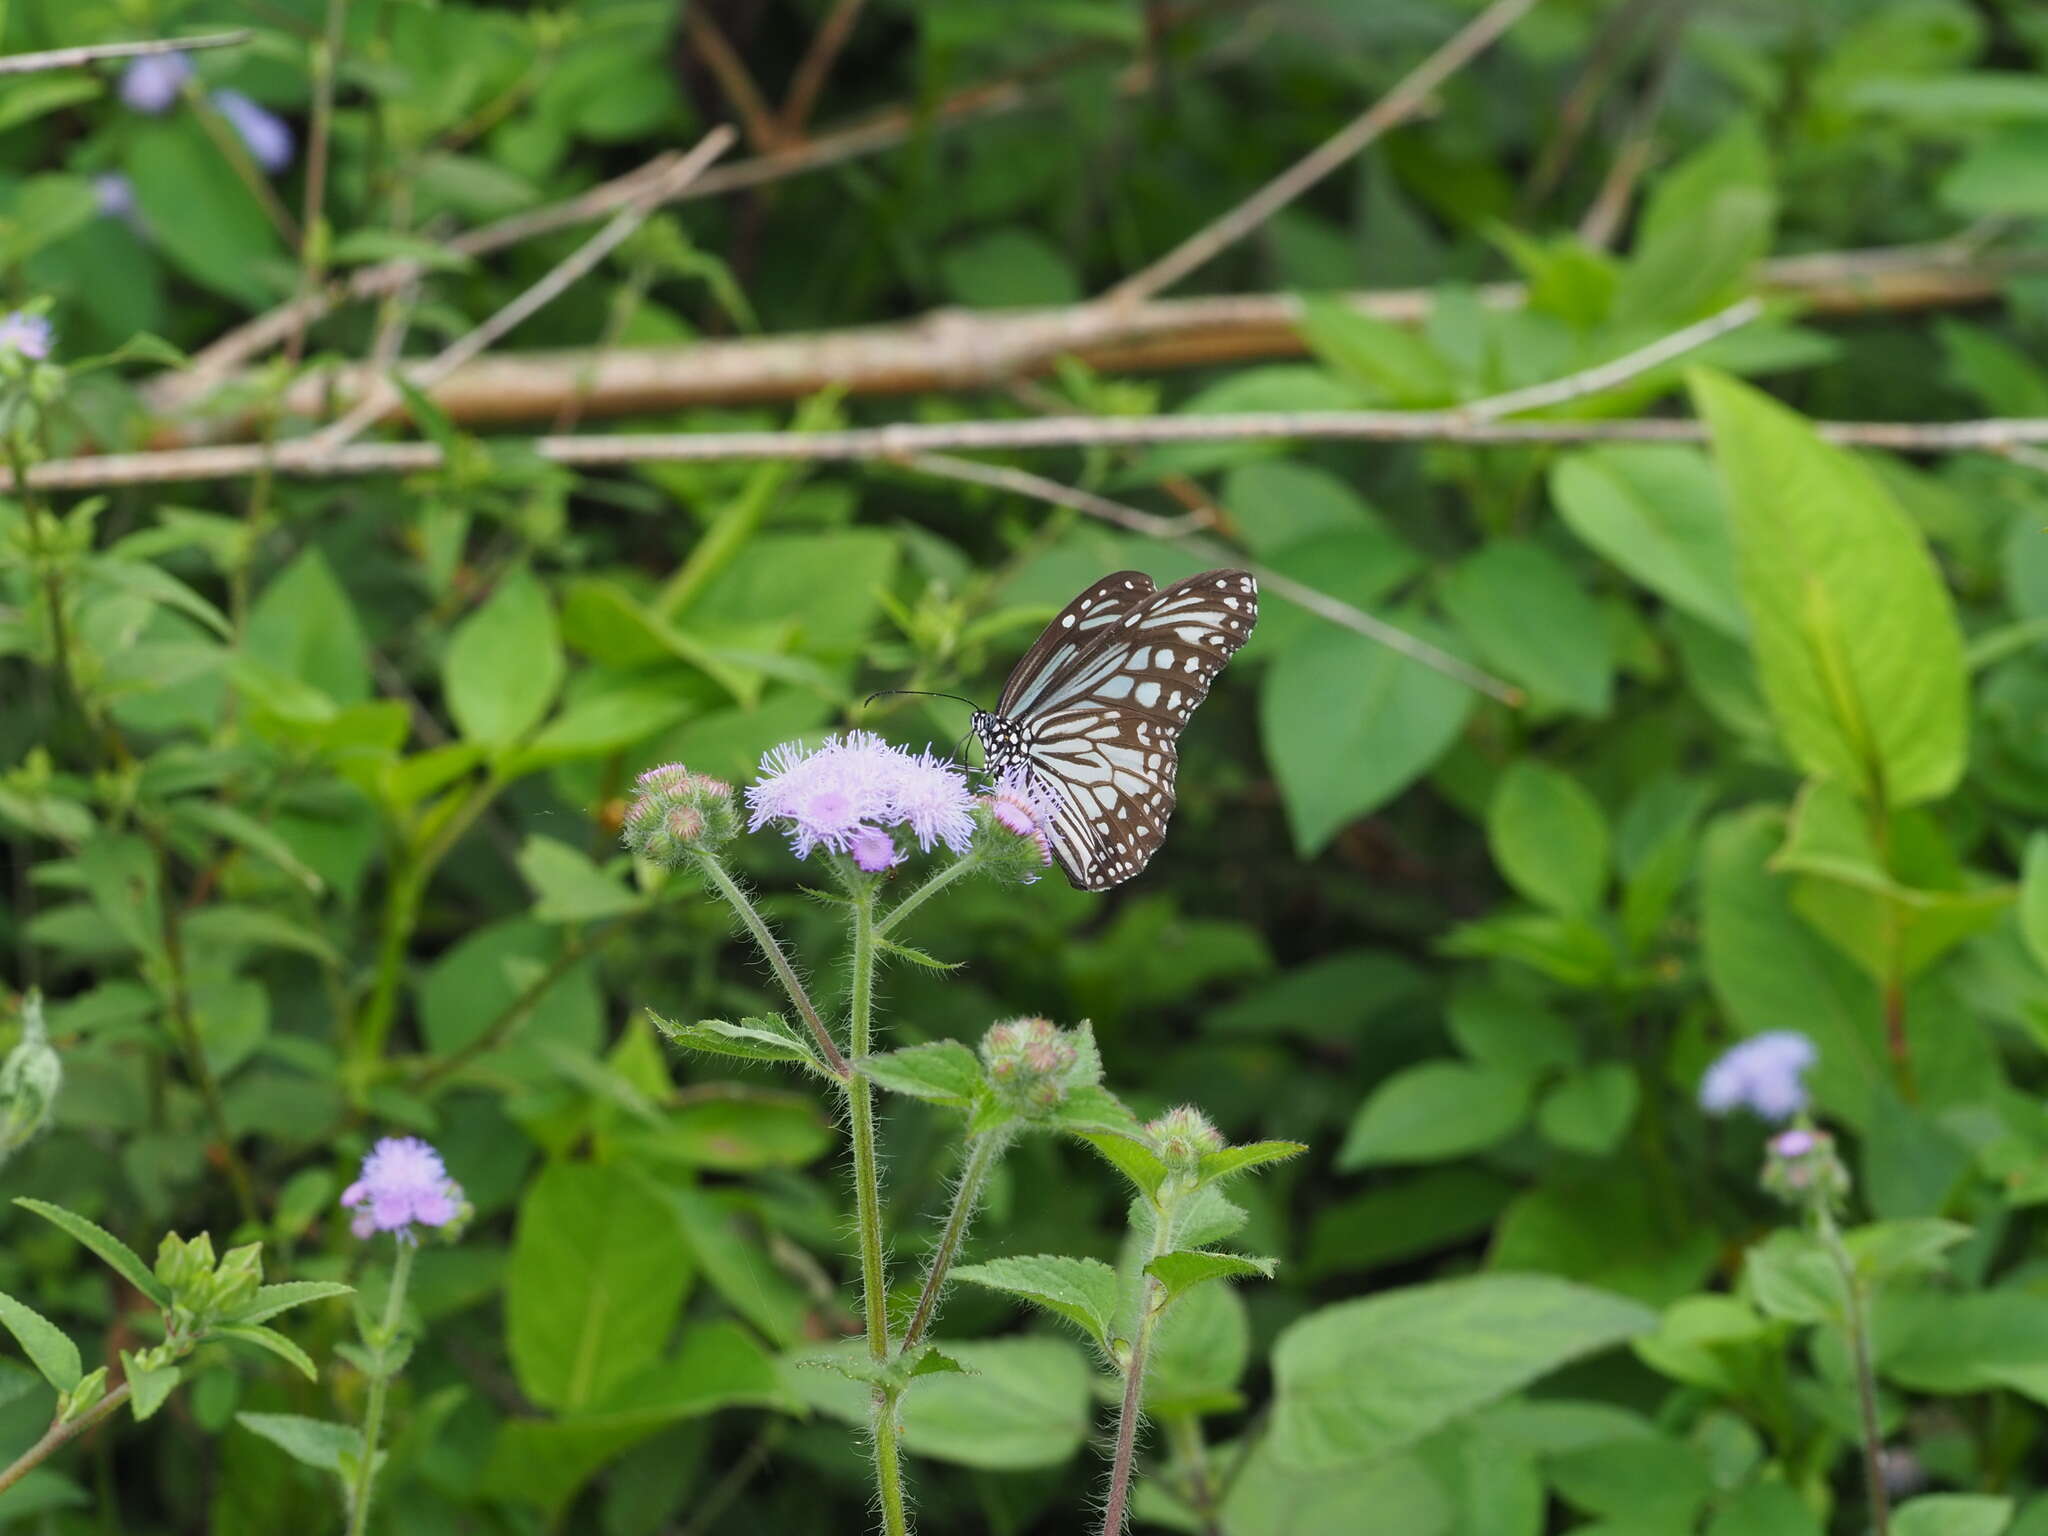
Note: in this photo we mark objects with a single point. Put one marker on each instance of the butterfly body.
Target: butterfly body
(1093, 712)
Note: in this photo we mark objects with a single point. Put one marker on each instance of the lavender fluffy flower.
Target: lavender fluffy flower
(1765, 1074)
(267, 136)
(846, 794)
(151, 84)
(403, 1182)
(29, 335)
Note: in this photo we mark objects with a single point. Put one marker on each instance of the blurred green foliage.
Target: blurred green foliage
(309, 791)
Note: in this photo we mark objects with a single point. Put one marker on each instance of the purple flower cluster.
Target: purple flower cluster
(1765, 1074)
(403, 1182)
(849, 793)
(152, 86)
(29, 335)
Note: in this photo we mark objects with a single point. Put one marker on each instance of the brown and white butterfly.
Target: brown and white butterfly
(1094, 711)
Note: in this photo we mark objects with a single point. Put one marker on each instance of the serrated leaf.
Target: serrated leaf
(1185, 1268)
(933, 1361)
(754, 1039)
(316, 1442)
(1131, 1158)
(48, 1348)
(118, 1256)
(273, 1299)
(1253, 1154)
(1083, 1291)
(147, 1388)
(944, 1072)
(272, 1340)
(918, 957)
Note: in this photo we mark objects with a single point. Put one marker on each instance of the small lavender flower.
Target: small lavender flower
(403, 1182)
(267, 136)
(849, 791)
(26, 334)
(115, 196)
(1018, 804)
(1801, 1166)
(151, 84)
(1764, 1074)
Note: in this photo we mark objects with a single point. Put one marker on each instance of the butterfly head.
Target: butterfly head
(1002, 742)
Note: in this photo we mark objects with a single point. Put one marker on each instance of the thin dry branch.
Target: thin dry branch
(1399, 104)
(953, 350)
(815, 68)
(1630, 365)
(98, 53)
(764, 130)
(563, 275)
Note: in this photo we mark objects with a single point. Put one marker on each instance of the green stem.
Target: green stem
(61, 1432)
(771, 950)
(867, 1202)
(1151, 1300)
(1193, 1452)
(1859, 1354)
(380, 1384)
(966, 864)
(983, 1152)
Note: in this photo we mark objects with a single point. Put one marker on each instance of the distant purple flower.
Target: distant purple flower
(115, 195)
(151, 84)
(29, 335)
(403, 1182)
(1764, 1074)
(1793, 1143)
(842, 795)
(268, 136)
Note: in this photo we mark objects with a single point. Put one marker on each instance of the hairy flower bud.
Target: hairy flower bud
(676, 813)
(1033, 1063)
(1183, 1137)
(1802, 1166)
(29, 1080)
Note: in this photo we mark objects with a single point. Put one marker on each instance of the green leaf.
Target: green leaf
(304, 627)
(45, 1344)
(944, 1071)
(234, 927)
(1952, 1514)
(1435, 1111)
(147, 1388)
(1232, 1161)
(200, 213)
(1855, 637)
(504, 664)
(1391, 363)
(36, 95)
(1790, 1277)
(1083, 1291)
(1549, 837)
(570, 887)
(1130, 1157)
(1531, 620)
(753, 1039)
(2033, 909)
(1655, 511)
(160, 586)
(117, 1255)
(1347, 724)
(244, 830)
(1365, 1378)
(272, 1340)
(1705, 223)
(271, 1300)
(1589, 1112)
(316, 1442)
(1007, 267)
(1889, 1250)
(740, 1130)
(596, 1280)
(1185, 1268)
(2003, 173)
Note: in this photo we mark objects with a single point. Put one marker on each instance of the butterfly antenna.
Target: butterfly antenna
(921, 693)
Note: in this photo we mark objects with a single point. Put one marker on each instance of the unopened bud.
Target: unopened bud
(1032, 1062)
(1183, 1137)
(1801, 1167)
(675, 813)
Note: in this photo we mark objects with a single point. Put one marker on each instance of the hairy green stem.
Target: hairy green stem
(966, 864)
(1859, 1355)
(1151, 1298)
(61, 1432)
(983, 1153)
(771, 950)
(867, 1203)
(380, 1384)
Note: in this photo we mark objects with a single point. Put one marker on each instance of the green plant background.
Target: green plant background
(328, 775)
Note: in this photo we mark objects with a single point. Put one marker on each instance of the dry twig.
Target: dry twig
(98, 53)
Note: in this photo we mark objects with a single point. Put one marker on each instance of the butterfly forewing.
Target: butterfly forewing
(1096, 707)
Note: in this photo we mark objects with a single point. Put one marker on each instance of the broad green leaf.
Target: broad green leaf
(1705, 223)
(754, 1039)
(1083, 1291)
(303, 626)
(1964, 99)
(496, 969)
(1890, 1250)
(1131, 1157)
(1200, 1351)
(720, 1227)
(1531, 620)
(1764, 1509)
(1185, 1268)
(504, 663)
(1655, 511)
(201, 214)
(245, 831)
(147, 1388)
(1549, 837)
(1021, 1402)
(1654, 1480)
(943, 1071)
(1369, 1377)
(2002, 174)
(1277, 502)
(318, 1443)
(1509, 1029)
(1790, 1276)
(1953, 1344)
(238, 927)
(1271, 1496)
(739, 1130)
(1347, 724)
(117, 1255)
(48, 1348)
(1855, 637)
(273, 1341)
(1435, 1111)
(596, 1280)
(1008, 267)
(1232, 1161)
(569, 885)
(1391, 363)
(1590, 1111)
(1952, 1514)
(270, 1300)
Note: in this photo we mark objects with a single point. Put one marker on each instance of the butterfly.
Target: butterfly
(1094, 711)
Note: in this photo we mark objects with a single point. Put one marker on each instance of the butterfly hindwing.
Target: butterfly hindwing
(1096, 707)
